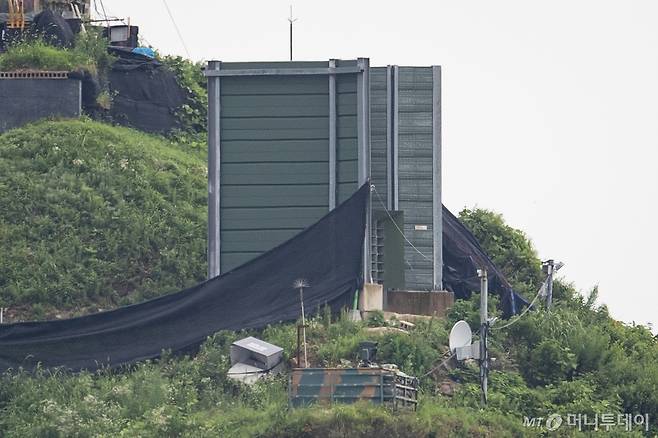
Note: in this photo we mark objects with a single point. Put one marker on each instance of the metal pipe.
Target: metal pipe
(549, 291)
(301, 298)
(332, 135)
(396, 137)
(299, 344)
(214, 152)
(284, 71)
(484, 332)
(389, 137)
(437, 210)
(363, 129)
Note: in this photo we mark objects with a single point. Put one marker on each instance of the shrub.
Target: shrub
(509, 248)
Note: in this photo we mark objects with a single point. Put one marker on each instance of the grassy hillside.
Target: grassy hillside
(96, 216)
(191, 396)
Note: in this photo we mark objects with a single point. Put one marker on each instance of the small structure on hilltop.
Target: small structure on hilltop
(380, 384)
(19, 16)
(253, 359)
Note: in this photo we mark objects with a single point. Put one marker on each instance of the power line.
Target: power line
(541, 289)
(104, 13)
(438, 366)
(396, 225)
(180, 36)
(539, 293)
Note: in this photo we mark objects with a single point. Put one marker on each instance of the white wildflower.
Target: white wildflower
(158, 416)
(49, 406)
(121, 390)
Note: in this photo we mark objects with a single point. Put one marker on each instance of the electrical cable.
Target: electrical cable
(96, 8)
(438, 366)
(541, 289)
(396, 225)
(180, 36)
(107, 21)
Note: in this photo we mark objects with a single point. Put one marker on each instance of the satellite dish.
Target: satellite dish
(460, 336)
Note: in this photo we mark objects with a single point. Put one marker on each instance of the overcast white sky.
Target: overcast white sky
(550, 109)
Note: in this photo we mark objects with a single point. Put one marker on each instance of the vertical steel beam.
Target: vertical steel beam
(363, 122)
(396, 137)
(332, 135)
(389, 137)
(214, 150)
(484, 332)
(437, 207)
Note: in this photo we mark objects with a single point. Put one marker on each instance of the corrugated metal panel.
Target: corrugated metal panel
(415, 152)
(379, 132)
(402, 127)
(275, 160)
(346, 143)
(274, 169)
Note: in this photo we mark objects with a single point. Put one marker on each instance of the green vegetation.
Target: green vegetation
(509, 249)
(193, 115)
(97, 216)
(88, 53)
(191, 396)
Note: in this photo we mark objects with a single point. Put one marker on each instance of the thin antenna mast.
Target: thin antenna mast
(484, 333)
(291, 21)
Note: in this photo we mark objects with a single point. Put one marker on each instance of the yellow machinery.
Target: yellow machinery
(16, 19)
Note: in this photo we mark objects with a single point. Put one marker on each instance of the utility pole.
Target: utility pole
(484, 333)
(549, 291)
(550, 268)
(291, 20)
(301, 284)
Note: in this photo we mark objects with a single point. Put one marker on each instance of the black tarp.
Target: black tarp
(53, 28)
(146, 94)
(328, 255)
(463, 256)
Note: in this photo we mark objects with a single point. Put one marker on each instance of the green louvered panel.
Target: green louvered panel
(274, 151)
(347, 141)
(379, 131)
(415, 152)
(274, 170)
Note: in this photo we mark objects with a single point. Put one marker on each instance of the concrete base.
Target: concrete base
(436, 303)
(372, 297)
(27, 100)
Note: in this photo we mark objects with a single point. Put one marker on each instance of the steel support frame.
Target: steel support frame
(389, 138)
(333, 133)
(285, 71)
(396, 137)
(214, 153)
(437, 206)
(363, 129)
